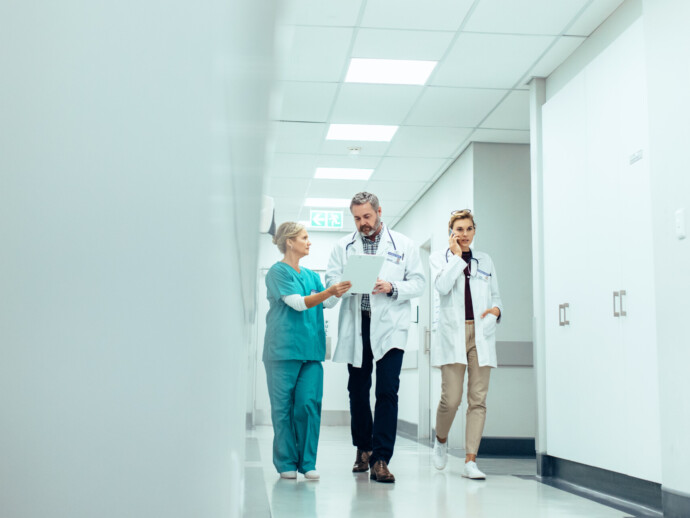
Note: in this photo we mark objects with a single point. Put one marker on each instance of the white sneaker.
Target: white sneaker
(312, 475)
(440, 454)
(288, 474)
(472, 471)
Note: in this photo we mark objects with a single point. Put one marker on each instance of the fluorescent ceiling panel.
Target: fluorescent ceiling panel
(364, 132)
(341, 173)
(389, 71)
(327, 202)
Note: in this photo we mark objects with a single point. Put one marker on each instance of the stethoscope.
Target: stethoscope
(354, 239)
(471, 259)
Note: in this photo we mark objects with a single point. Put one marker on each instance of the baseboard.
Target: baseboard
(407, 430)
(507, 447)
(675, 504)
(608, 483)
(328, 418)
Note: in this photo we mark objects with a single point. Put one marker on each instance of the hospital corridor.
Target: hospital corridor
(344, 258)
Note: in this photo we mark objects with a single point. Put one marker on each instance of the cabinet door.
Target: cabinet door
(637, 275)
(564, 195)
(602, 346)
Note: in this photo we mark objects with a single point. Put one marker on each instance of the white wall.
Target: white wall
(503, 201)
(121, 316)
(468, 183)
(668, 81)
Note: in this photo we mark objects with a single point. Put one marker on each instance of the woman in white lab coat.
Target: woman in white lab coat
(470, 308)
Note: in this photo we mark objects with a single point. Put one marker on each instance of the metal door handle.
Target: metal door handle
(566, 322)
(623, 312)
(615, 313)
(427, 340)
(563, 321)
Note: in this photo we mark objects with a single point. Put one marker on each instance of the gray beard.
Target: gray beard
(374, 229)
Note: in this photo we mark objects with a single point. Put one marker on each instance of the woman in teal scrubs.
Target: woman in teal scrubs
(294, 347)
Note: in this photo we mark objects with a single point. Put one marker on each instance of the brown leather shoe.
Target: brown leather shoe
(361, 461)
(380, 473)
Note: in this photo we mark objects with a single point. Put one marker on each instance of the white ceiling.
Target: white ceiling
(487, 51)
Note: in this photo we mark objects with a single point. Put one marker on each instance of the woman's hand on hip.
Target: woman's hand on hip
(494, 311)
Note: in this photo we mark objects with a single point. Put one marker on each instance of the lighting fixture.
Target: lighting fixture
(342, 173)
(370, 132)
(327, 202)
(389, 71)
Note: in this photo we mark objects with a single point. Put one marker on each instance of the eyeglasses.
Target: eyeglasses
(461, 211)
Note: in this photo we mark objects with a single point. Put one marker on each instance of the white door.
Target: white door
(424, 329)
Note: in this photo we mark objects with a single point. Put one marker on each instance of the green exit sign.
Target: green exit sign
(326, 219)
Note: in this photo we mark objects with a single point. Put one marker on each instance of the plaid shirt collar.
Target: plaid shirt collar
(372, 245)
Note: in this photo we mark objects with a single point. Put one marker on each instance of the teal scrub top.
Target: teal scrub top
(291, 334)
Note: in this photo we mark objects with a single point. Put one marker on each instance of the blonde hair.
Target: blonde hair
(460, 214)
(288, 230)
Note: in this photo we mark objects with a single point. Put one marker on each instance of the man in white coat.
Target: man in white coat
(372, 328)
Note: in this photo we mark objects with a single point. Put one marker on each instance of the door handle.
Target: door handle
(563, 320)
(566, 322)
(623, 312)
(615, 313)
(427, 340)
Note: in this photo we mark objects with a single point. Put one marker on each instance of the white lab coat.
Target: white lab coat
(390, 319)
(449, 282)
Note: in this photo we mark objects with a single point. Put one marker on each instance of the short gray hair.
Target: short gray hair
(362, 198)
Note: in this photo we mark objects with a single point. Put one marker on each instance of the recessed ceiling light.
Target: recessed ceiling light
(389, 71)
(341, 173)
(370, 132)
(327, 202)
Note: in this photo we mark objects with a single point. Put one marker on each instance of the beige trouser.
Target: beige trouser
(452, 378)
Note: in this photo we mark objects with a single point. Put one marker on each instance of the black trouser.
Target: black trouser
(377, 435)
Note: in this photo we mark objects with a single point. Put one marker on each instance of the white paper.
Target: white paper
(362, 271)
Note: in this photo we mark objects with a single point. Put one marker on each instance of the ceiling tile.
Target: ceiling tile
(317, 54)
(417, 141)
(335, 188)
(459, 107)
(286, 187)
(299, 137)
(524, 16)
(408, 169)
(512, 113)
(509, 56)
(322, 12)
(400, 44)
(340, 147)
(501, 136)
(374, 104)
(287, 165)
(305, 101)
(287, 209)
(595, 15)
(392, 208)
(556, 55)
(395, 191)
(348, 161)
(440, 15)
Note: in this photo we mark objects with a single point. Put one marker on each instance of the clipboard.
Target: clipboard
(362, 271)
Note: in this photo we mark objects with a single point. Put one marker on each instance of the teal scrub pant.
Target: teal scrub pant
(295, 388)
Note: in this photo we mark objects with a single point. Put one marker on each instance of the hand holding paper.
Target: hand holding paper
(362, 271)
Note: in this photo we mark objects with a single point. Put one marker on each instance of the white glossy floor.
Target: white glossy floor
(420, 491)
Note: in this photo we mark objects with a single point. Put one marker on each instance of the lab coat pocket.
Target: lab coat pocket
(449, 327)
(489, 325)
(392, 271)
